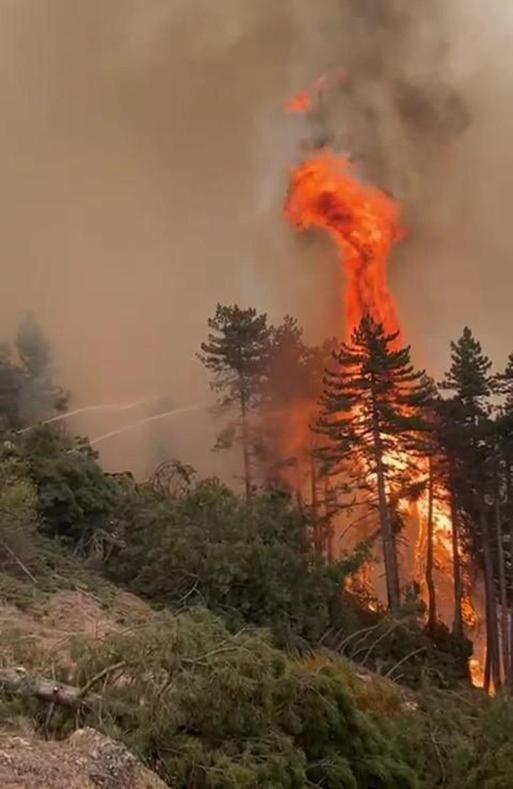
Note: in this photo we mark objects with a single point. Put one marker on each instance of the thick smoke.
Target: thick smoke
(144, 155)
(425, 115)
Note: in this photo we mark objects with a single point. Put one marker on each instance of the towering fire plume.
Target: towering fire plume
(325, 194)
(363, 221)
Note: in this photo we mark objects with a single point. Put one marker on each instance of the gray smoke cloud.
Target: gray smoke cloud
(425, 114)
(144, 156)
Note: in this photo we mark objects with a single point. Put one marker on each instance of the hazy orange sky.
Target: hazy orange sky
(144, 157)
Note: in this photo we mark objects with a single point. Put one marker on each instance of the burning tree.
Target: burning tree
(372, 416)
(288, 386)
(291, 390)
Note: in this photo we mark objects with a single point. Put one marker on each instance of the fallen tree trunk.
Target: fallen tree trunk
(20, 683)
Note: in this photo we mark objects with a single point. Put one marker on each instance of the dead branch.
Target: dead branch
(19, 562)
(375, 643)
(438, 754)
(345, 641)
(403, 660)
(103, 673)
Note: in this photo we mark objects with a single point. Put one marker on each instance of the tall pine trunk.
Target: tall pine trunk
(503, 595)
(487, 667)
(456, 557)
(328, 524)
(389, 548)
(245, 438)
(509, 511)
(316, 524)
(492, 631)
(430, 551)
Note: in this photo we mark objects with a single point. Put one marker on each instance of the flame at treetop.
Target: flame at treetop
(307, 100)
(363, 221)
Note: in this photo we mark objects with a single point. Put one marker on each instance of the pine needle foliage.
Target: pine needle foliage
(372, 419)
(250, 563)
(236, 353)
(211, 709)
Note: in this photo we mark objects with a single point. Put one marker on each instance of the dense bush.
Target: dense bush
(75, 496)
(459, 740)
(250, 563)
(211, 709)
(18, 513)
(399, 647)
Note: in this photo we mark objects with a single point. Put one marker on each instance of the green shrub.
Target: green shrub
(211, 709)
(248, 563)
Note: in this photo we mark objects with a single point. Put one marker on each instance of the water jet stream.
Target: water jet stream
(112, 433)
(86, 408)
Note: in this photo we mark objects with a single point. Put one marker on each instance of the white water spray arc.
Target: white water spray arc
(87, 408)
(173, 412)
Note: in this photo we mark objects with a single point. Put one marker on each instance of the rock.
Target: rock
(87, 760)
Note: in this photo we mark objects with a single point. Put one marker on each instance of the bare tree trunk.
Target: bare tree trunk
(18, 682)
(492, 631)
(298, 486)
(503, 596)
(456, 559)
(389, 548)
(245, 438)
(315, 505)
(509, 670)
(328, 524)
(487, 667)
(430, 551)
(509, 511)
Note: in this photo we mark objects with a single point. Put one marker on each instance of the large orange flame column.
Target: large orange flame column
(363, 221)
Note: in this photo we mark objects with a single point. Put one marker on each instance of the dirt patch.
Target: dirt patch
(87, 760)
(44, 633)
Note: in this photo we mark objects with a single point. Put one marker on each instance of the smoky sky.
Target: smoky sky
(144, 157)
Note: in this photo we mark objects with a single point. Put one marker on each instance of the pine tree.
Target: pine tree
(467, 442)
(11, 381)
(430, 557)
(288, 446)
(371, 415)
(237, 353)
(503, 385)
(285, 389)
(433, 489)
(288, 376)
(469, 376)
(33, 348)
(40, 396)
(503, 428)
(447, 437)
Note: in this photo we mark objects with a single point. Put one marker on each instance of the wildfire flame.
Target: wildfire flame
(302, 102)
(306, 100)
(363, 221)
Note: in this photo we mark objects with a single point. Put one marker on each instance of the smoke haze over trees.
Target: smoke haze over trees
(146, 149)
(329, 600)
